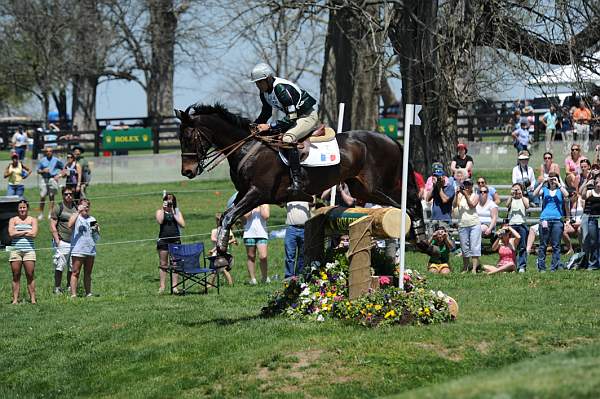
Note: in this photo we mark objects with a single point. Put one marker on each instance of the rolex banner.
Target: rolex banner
(127, 139)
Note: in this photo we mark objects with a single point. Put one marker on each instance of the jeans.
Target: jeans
(584, 232)
(15, 189)
(522, 248)
(520, 147)
(552, 234)
(20, 151)
(593, 245)
(294, 245)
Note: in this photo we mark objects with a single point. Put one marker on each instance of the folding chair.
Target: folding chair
(189, 263)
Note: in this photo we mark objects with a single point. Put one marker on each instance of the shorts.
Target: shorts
(252, 242)
(62, 256)
(438, 267)
(470, 240)
(48, 187)
(162, 244)
(22, 256)
(80, 255)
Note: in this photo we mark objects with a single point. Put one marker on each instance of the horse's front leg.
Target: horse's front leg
(248, 202)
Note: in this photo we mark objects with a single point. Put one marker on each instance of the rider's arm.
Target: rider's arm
(288, 96)
(266, 112)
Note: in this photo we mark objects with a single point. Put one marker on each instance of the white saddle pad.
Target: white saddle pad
(320, 154)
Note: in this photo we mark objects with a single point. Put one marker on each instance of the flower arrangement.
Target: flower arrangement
(324, 294)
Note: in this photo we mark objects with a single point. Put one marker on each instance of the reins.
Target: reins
(212, 158)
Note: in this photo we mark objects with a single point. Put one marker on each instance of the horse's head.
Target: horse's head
(194, 144)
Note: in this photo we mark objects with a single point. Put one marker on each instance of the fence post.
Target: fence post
(97, 142)
(156, 121)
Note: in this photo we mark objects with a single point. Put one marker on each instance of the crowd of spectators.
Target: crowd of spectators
(554, 205)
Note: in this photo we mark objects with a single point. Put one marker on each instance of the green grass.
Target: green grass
(517, 335)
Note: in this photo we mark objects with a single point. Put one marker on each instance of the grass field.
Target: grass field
(517, 335)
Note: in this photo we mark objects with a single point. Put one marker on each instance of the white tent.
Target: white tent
(567, 75)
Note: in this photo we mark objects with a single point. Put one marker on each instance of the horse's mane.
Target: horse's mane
(218, 108)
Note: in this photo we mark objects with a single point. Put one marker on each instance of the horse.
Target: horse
(370, 164)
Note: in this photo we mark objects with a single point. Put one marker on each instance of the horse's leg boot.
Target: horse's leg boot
(295, 187)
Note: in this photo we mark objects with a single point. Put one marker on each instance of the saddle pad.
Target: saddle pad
(320, 154)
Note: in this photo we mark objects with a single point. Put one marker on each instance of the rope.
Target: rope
(151, 239)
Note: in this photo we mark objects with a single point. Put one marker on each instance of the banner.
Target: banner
(388, 126)
(127, 139)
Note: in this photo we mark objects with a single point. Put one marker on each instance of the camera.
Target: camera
(505, 221)
(526, 182)
(461, 187)
(595, 172)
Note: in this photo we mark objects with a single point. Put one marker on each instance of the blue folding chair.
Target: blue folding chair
(188, 262)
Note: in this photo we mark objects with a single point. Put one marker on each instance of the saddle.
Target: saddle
(321, 134)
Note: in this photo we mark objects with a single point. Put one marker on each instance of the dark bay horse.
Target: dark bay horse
(371, 166)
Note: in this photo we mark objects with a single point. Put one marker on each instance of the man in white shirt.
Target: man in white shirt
(298, 212)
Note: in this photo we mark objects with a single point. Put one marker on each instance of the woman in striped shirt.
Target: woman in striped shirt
(22, 229)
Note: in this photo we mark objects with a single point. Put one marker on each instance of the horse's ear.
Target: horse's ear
(178, 114)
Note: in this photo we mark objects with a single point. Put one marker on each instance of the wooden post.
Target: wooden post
(359, 253)
(314, 241)
(97, 142)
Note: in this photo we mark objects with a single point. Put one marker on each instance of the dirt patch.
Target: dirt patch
(441, 351)
(483, 347)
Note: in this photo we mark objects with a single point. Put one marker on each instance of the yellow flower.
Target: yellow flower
(329, 294)
(323, 276)
(369, 306)
(389, 314)
(427, 312)
(377, 307)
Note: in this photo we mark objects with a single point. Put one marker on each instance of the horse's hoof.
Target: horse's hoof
(221, 262)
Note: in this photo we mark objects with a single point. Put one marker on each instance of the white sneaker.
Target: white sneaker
(49, 217)
(252, 281)
(41, 216)
(266, 281)
(89, 295)
(58, 290)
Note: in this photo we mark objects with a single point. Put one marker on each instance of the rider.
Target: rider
(300, 115)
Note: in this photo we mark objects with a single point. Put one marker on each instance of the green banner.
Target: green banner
(388, 126)
(127, 139)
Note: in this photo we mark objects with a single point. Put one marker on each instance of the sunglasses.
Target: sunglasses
(574, 149)
(547, 157)
(480, 182)
(65, 194)
(483, 192)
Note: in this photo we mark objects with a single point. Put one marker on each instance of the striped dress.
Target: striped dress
(23, 243)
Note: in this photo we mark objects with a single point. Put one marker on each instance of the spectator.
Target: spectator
(255, 240)
(19, 142)
(72, 173)
(547, 166)
(441, 245)
(213, 237)
(521, 136)
(465, 203)
(551, 225)
(61, 234)
(49, 168)
(517, 205)
(441, 191)
(420, 181)
(506, 244)
(549, 121)
(86, 232)
(572, 163)
(462, 160)
(15, 172)
(528, 112)
(342, 196)
(487, 210)
(592, 243)
(575, 181)
(584, 186)
(171, 221)
(566, 128)
(460, 175)
(22, 229)
(86, 176)
(582, 116)
(298, 212)
(493, 193)
(523, 174)
(573, 222)
(596, 118)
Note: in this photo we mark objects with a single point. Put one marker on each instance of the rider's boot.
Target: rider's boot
(295, 187)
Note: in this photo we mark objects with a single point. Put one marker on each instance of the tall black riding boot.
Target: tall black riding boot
(295, 187)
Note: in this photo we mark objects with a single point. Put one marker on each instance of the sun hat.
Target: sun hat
(78, 147)
(461, 145)
(523, 155)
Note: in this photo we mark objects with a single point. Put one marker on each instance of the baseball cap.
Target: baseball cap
(14, 155)
(461, 145)
(437, 169)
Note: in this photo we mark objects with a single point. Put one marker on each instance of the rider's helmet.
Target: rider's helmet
(260, 72)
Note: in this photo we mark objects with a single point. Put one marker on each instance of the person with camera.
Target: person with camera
(171, 222)
(506, 244)
(551, 225)
(440, 190)
(591, 195)
(574, 208)
(517, 205)
(523, 173)
(487, 210)
(492, 192)
(86, 232)
(469, 232)
(441, 245)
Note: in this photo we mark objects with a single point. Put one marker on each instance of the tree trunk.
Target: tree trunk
(84, 102)
(162, 26)
(60, 100)
(352, 69)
